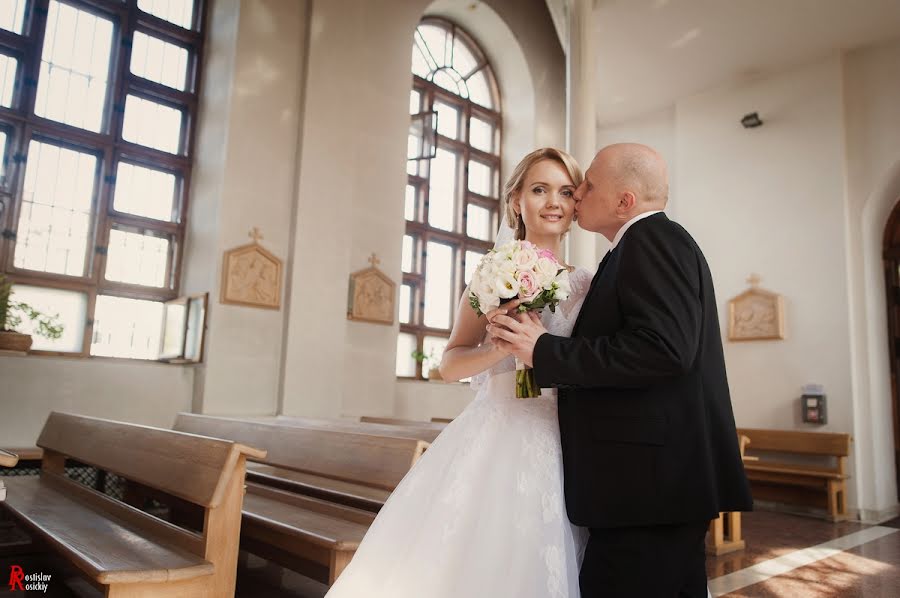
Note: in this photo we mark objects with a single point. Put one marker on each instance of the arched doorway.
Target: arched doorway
(891, 256)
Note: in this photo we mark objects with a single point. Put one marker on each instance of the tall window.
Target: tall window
(98, 101)
(452, 195)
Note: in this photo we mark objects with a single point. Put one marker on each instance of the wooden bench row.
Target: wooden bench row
(313, 497)
(7, 459)
(312, 490)
(800, 467)
(122, 550)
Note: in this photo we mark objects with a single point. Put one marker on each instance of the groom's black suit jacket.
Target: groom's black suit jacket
(646, 424)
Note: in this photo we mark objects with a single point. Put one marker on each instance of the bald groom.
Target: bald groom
(650, 451)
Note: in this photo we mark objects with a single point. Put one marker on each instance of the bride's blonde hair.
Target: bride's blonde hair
(517, 180)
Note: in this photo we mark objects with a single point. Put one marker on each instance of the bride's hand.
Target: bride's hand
(505, 309)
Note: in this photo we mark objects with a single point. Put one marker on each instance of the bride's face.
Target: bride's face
(547, 199)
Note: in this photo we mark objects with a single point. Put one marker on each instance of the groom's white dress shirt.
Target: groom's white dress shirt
(628, 224)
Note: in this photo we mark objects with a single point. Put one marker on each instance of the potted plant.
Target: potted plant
(11, 316)
(429, 362)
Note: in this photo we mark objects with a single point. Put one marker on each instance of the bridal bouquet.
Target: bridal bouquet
(519, 270)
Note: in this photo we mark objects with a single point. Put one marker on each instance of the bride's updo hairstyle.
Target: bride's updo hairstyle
(517, 179)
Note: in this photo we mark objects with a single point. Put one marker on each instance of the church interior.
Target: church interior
(235, 232)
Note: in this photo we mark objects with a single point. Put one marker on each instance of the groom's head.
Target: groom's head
(624, 180)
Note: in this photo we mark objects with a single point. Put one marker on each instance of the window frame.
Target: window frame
(458, 239)
(23, 125)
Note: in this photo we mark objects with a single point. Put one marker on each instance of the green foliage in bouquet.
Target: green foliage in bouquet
(545, 299)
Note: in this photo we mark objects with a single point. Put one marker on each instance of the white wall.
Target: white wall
(351, 184)
(872, 112)
(770, 200)
(245, 177)
(120, 389)
(802, 201)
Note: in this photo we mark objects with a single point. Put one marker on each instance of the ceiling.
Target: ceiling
(652, 52)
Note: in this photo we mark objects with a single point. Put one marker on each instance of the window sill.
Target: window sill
(93, 358)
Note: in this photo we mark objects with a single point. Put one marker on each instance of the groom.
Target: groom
(650, 451)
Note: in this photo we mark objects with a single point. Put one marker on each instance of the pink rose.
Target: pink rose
(546, 253)
(528, 286)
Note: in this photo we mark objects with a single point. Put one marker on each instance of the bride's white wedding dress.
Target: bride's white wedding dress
(482, 513)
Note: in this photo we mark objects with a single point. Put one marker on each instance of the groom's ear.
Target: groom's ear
(627, 200)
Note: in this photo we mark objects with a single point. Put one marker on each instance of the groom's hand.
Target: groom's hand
(517, 335)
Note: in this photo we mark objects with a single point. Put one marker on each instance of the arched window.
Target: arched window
(452, 195)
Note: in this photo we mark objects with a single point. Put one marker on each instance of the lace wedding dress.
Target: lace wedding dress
(482, 513)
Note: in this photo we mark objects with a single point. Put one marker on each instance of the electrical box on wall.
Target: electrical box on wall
(813, 405)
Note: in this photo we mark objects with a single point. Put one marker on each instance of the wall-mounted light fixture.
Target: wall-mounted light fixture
(751, 120)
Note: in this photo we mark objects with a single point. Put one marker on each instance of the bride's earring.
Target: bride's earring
(520, 227)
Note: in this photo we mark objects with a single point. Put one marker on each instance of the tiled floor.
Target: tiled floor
(814, 559)
(867, 571)
(769, 535)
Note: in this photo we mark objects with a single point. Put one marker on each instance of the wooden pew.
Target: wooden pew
(357, 470)
(7, 459)
(427, 432)
(441, 420)
(311, 500)
(120, 549)
(26, 453)
(821, 484)
(314, 537)
(393, 421)
(725, 530)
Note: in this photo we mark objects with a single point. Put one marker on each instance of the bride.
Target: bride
(482, 513)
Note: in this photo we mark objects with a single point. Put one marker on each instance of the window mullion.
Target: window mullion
(32, 60)
(100, 244)
(173, 263)
(163, 28)
(89, 322)
(135, 85)
(16, 175)
(121, 57)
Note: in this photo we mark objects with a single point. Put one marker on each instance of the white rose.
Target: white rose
(525, 258)
(546, 270)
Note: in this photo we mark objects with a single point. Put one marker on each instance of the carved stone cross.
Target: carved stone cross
(754, 280)
(255, 235)
(374, 260)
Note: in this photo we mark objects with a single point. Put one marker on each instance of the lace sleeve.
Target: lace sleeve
(507, 364)
(580, 281)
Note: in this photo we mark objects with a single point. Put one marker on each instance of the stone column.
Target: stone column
(581, 125)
